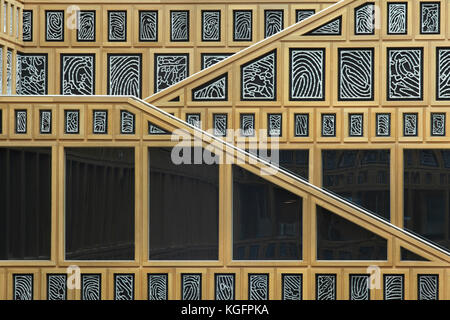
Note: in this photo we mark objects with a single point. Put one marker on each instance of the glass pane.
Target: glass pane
(184, 208)
(427, 194)
(294, 161)
(361, 176)
(267, 220)
(25, 203)
(407, 255)
(100, 203)
(340, 239)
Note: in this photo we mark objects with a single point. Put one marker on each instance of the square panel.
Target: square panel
(125, 74)
(307, 74)
(54, 25)
(117, 26)
(170, 69)
(179, 25)
(86, 28)
(405, 74)
(356, 74)
(77, 74)
(211, 21)
(148, 25)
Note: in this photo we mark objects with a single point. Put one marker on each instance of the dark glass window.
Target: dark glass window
(407, 255)
(361, 176)
(294, 161)
(184, 207)
(427, 194)
(25, 203)
(100, 203)
(267, 220)
(340, 239)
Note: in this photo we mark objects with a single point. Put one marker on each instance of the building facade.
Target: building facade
(353, 95)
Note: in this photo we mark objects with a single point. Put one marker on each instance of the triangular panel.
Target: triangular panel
(258, 78)
(407, 255)
(332, 28)
(214, 90)
(154, 129)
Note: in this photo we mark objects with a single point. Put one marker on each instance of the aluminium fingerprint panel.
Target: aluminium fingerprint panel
(302, 14)
(273, 22)
(214, 90)
(325, 287)
(359, 287)
(33, 74)
(365, 19)
(307, 74)
(209, 59)
(86, 25)
(77, 74)
(394, 287)
(23, 286)
(56, 286)
(258, 78)
(27, 25)
(430, 17)
(148, 25)
(428, 287)
(91, 287)
(242, 25)
(356, 74)
(225, 286)
(117, 26)
(179, 25)
(292, 286)
(191, 286)
(331, 28)
(170, 69)
(211, 25)
(258, 286)
(397, 18)
(125, 74)
(123, 286)
(405, 74)
(443, 74)
(54, 25)
(158, 286)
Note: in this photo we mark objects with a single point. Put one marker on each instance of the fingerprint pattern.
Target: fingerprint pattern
(292, 286)
(170, 69)
(179, 25)
(307, 74)
(154, 129)
(438, 124)
(148, 25)
(23, 287)
(274, 121)
(124, 72)
(328, 125)
(247, 125)
(100, 122)
(273, 22)
(157, 286)
(211, 59)
(356, 74)
(78, 72)
(365, 19)
(258, 78)
(45, 119)
(443, 76)
(356, 125)
(123, 287)
(18, 72)
(393, 287)
(430, 18)
(428, 287)
(72, 123)
(21, 121)
(332, 28)
(220, 124)
(27, 25)
(325, 287)
(9, 66)
(304, 14)
(397, 18)
(54, 26)
(117, 25)
(194, 120)
(359, 287)
(301, 125)
(225, 286)
(86, 26)
(32, 74)
(405, 74)
(210, 25)
(258, 287)
(215, 90)
(383, 124)
(91, 288)
(56, 287)
(127, 122)
(191, 285)
(410, 124)
(242, 25)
